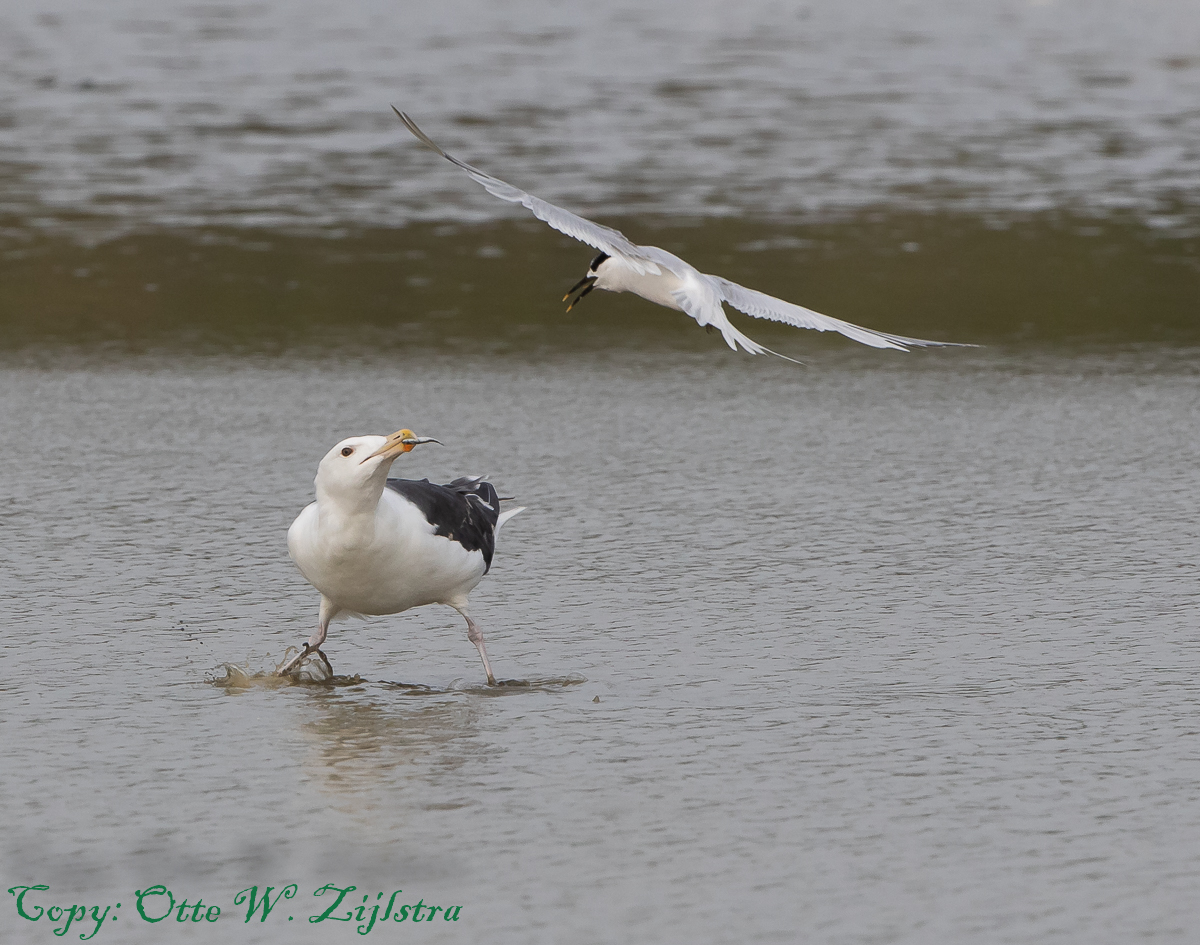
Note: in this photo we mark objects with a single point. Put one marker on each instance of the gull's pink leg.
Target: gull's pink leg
(475, 635)
(328, 611)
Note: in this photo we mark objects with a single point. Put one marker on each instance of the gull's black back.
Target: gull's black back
(464, 510)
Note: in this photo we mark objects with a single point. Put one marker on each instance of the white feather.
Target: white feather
(505, 516)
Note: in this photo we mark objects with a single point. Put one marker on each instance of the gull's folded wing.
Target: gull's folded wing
(452, 513)
(603, 238)
(761, 305)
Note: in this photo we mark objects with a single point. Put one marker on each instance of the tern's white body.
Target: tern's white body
(382, 562)
(616, 275)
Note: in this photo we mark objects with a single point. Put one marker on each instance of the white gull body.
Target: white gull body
(665, 279)
(373, 545)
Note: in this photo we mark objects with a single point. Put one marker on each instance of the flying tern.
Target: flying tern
(664, 278)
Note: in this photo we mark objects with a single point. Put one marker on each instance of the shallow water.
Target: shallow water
(889, 648)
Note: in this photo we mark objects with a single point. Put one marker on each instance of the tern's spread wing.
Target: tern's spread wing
(603, 238)
(698, 298)
(761, 305)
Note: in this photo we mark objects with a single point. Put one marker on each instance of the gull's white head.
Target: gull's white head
(591, 281)
(358, 466)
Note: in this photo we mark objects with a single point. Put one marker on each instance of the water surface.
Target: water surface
(891, 648)
(276, 114)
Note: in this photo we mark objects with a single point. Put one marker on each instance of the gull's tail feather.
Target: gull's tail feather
(505, 516)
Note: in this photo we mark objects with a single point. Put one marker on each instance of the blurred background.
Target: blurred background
(186, 172)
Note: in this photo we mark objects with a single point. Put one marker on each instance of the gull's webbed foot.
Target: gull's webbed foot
(325, 660)
(291, 665)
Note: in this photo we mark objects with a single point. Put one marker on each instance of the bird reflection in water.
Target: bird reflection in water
(379, 760)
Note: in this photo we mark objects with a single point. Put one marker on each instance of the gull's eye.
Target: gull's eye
(347, 450)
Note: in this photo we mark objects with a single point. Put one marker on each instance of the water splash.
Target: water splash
(310, 671)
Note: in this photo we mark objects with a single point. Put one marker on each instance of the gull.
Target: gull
(374, 545)
(664, 278)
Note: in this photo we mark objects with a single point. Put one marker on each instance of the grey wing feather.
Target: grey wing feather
(603, 238)
(668, 261)
(761, 305)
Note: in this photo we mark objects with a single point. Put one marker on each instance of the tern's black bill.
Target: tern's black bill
(579, 296)
(586, 280)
